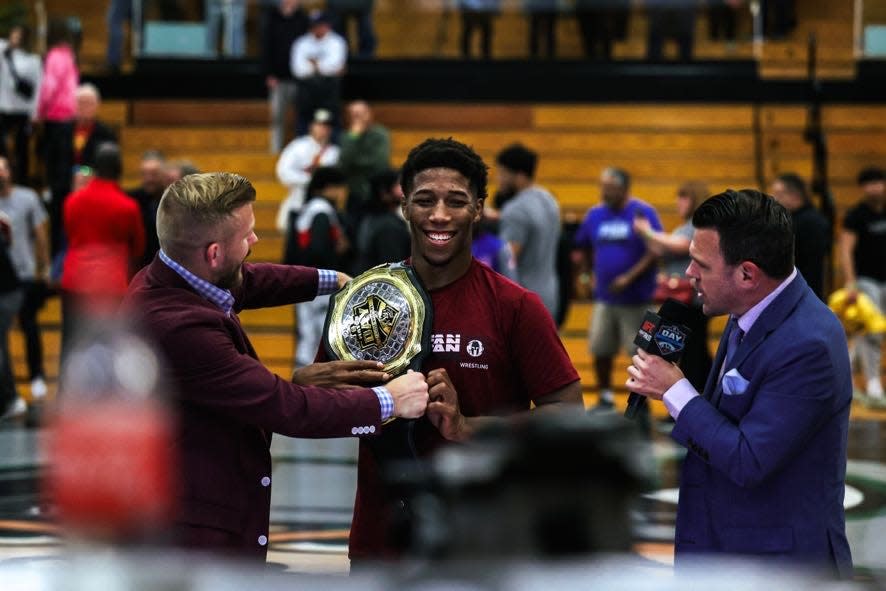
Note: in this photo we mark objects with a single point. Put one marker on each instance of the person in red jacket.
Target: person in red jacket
(105, 235)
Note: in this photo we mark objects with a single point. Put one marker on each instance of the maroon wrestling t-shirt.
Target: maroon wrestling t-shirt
(499, 345)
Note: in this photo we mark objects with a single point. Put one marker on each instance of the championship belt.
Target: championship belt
(382, 315)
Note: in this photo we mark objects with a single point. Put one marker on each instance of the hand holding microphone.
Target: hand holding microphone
(660, 343)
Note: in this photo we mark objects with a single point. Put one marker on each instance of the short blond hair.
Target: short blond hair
(194, 210)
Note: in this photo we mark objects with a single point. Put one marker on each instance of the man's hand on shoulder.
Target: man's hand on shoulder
(341, 374)
(444, 411)
(410, 394)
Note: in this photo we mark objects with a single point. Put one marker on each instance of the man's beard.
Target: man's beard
(233, 278)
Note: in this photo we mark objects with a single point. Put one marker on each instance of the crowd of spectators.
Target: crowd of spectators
(617, 248)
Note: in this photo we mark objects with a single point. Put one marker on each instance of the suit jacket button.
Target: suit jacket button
(263, 540)
(354, 431)
(265, 481)
(372, 428)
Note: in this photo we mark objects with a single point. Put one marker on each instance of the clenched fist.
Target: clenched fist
(410, 393)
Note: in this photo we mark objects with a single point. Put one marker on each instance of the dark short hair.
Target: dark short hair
(518, 158)
(870, 174)
(108, 161)
(621, 174)
(381, 183)
(323, 177)
(59, 31)
(752, 227)
(794, 183)
(445, 153)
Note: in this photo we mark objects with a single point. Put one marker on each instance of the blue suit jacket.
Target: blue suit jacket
(767, 462)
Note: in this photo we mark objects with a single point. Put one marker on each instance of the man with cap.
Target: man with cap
(298, 161)
(530, 223)
(318, 61)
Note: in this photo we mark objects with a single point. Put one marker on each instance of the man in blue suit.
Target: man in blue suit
(764, 476)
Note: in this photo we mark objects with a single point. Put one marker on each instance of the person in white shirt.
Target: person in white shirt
(318, 62)
(298, 161)
(20, 72)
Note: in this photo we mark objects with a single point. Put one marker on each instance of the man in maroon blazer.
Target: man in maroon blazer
(228, 403)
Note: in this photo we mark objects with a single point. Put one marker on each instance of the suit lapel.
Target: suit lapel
(774, 314)
(771, 318)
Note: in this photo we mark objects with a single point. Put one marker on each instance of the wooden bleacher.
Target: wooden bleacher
(661, 145)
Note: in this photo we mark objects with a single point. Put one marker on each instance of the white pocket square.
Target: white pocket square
(734, 384)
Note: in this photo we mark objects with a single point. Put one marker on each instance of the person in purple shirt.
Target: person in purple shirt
(624, 273)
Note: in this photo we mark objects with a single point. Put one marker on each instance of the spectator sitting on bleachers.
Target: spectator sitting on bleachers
(299, 160)
(89, 131)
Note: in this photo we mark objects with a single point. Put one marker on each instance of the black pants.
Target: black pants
(366, 39)
(597, 29)
(58, 155)
(678, 24)
(35, 296)
(543, 25)
(721, 21)
(481, 20)
(18, 127)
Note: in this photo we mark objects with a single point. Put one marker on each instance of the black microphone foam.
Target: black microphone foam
(663, 335)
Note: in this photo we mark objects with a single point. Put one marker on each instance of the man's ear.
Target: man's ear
(212, 255)
(479, 214)
(749, 274)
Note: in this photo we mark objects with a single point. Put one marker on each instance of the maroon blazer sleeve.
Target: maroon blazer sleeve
(211, 363)
(267, 284)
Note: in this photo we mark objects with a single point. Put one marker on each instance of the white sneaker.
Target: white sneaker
(18, 408)
(38, 388)
(875, 388)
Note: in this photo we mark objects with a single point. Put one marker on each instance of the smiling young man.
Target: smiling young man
(495, 349)
(228, 403)
(767, 436)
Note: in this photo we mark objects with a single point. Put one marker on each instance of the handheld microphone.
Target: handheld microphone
(663, 335)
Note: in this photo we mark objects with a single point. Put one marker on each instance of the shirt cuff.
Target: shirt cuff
(678, 396)
(328, 282)
(386, 401)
